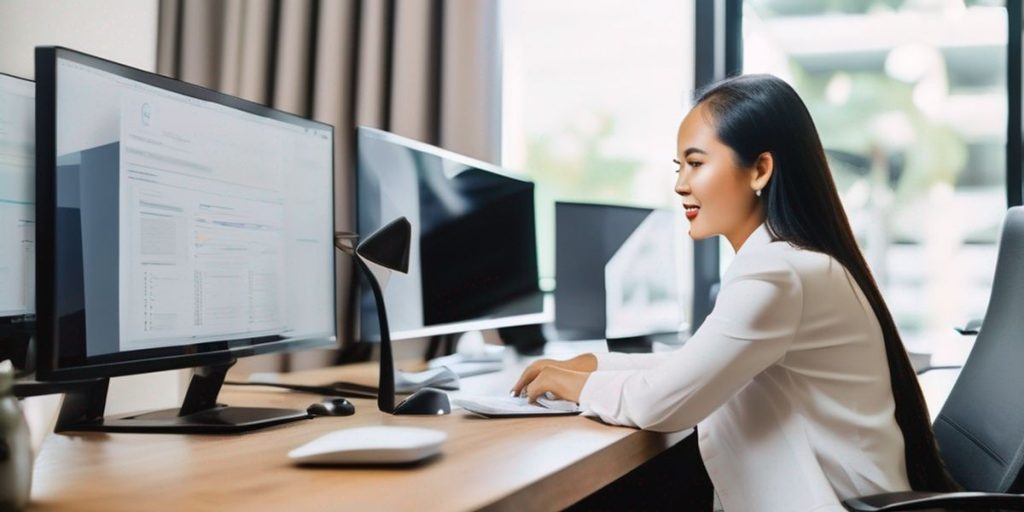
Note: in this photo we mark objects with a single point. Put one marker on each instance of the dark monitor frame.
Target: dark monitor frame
(458, 327)
(51, 365)
(17, 331)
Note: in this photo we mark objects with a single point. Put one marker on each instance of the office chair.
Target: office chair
(980, 430)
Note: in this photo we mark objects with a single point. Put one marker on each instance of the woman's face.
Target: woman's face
(717, 192)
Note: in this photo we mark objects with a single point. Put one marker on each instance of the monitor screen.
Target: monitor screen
(473, 260)
(644, 281)
(619, 272)
(17, 199)
(185, 222)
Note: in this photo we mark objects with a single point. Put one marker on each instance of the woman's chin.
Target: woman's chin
(697, 234)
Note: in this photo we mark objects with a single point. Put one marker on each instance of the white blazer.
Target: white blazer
(786, 380)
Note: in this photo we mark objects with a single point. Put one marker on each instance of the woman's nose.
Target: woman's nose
(682, 184)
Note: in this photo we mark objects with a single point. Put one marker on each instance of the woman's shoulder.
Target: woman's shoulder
(782, 259)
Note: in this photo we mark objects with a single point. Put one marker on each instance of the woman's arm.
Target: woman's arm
(614, 361)
(583, 364)
(751, 327)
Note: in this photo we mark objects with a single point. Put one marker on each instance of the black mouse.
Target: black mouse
(331, 407)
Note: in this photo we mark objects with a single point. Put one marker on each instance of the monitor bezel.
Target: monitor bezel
(51, 366)
(21, 322)
(546, 315)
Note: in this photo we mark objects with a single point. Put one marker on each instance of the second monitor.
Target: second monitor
(473, 261)
(17, 218)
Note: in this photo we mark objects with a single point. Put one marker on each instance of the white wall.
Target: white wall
(119, 30)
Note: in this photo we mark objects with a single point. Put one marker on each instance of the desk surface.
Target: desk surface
(532, 463)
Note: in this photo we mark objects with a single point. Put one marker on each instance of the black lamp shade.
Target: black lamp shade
(389, 246)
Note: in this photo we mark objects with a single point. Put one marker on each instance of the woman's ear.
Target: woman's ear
(763, 169)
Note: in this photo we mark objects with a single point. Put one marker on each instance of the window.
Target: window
(910, 101)
(593, 91)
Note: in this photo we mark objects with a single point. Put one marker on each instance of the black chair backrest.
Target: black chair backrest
(980, 430)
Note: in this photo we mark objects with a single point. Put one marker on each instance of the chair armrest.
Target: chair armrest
(912, 500)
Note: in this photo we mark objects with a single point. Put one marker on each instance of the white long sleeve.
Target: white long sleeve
(787, 381)
(611, 361)
(751, 328)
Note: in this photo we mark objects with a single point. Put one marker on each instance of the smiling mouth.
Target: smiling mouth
(691, 210)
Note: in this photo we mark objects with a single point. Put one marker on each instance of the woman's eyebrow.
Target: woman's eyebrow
(693, 150)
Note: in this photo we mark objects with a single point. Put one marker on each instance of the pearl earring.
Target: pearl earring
(757, 192)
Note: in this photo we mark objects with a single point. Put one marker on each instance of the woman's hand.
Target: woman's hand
(584, 364)
(563, 384)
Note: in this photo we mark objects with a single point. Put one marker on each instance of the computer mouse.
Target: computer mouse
(371, 445)
(425, 401)
(332, 407)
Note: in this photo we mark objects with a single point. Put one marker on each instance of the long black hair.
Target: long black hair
(754, 114)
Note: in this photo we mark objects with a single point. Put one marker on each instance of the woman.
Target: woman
(797, 380)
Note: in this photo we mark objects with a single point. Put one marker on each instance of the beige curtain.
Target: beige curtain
(425, 69)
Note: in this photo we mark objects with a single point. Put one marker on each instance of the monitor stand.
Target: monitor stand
(200, 413)
(527, 340)
(634, 344)
(19, 347)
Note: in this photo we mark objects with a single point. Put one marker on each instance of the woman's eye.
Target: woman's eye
(695, 164)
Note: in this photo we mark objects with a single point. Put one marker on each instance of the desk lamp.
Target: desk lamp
(384, 251)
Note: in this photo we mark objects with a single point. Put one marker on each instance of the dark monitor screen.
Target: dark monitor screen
(17, 202)
(473, 261)
(619, 272)
(178, 226)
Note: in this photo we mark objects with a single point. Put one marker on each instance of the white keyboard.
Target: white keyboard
(507, 406)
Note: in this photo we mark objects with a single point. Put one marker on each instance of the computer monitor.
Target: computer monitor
(473, 260)
(177, 227)
(619, 275)
(17, 218)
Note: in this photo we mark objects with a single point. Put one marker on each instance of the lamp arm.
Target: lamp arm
(386, 383)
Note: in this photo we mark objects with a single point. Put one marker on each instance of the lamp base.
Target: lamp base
(427, 401)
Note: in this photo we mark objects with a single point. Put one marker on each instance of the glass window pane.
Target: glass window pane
(593, 91)
(910, 100)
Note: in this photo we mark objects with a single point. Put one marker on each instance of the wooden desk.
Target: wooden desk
(514, 464)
